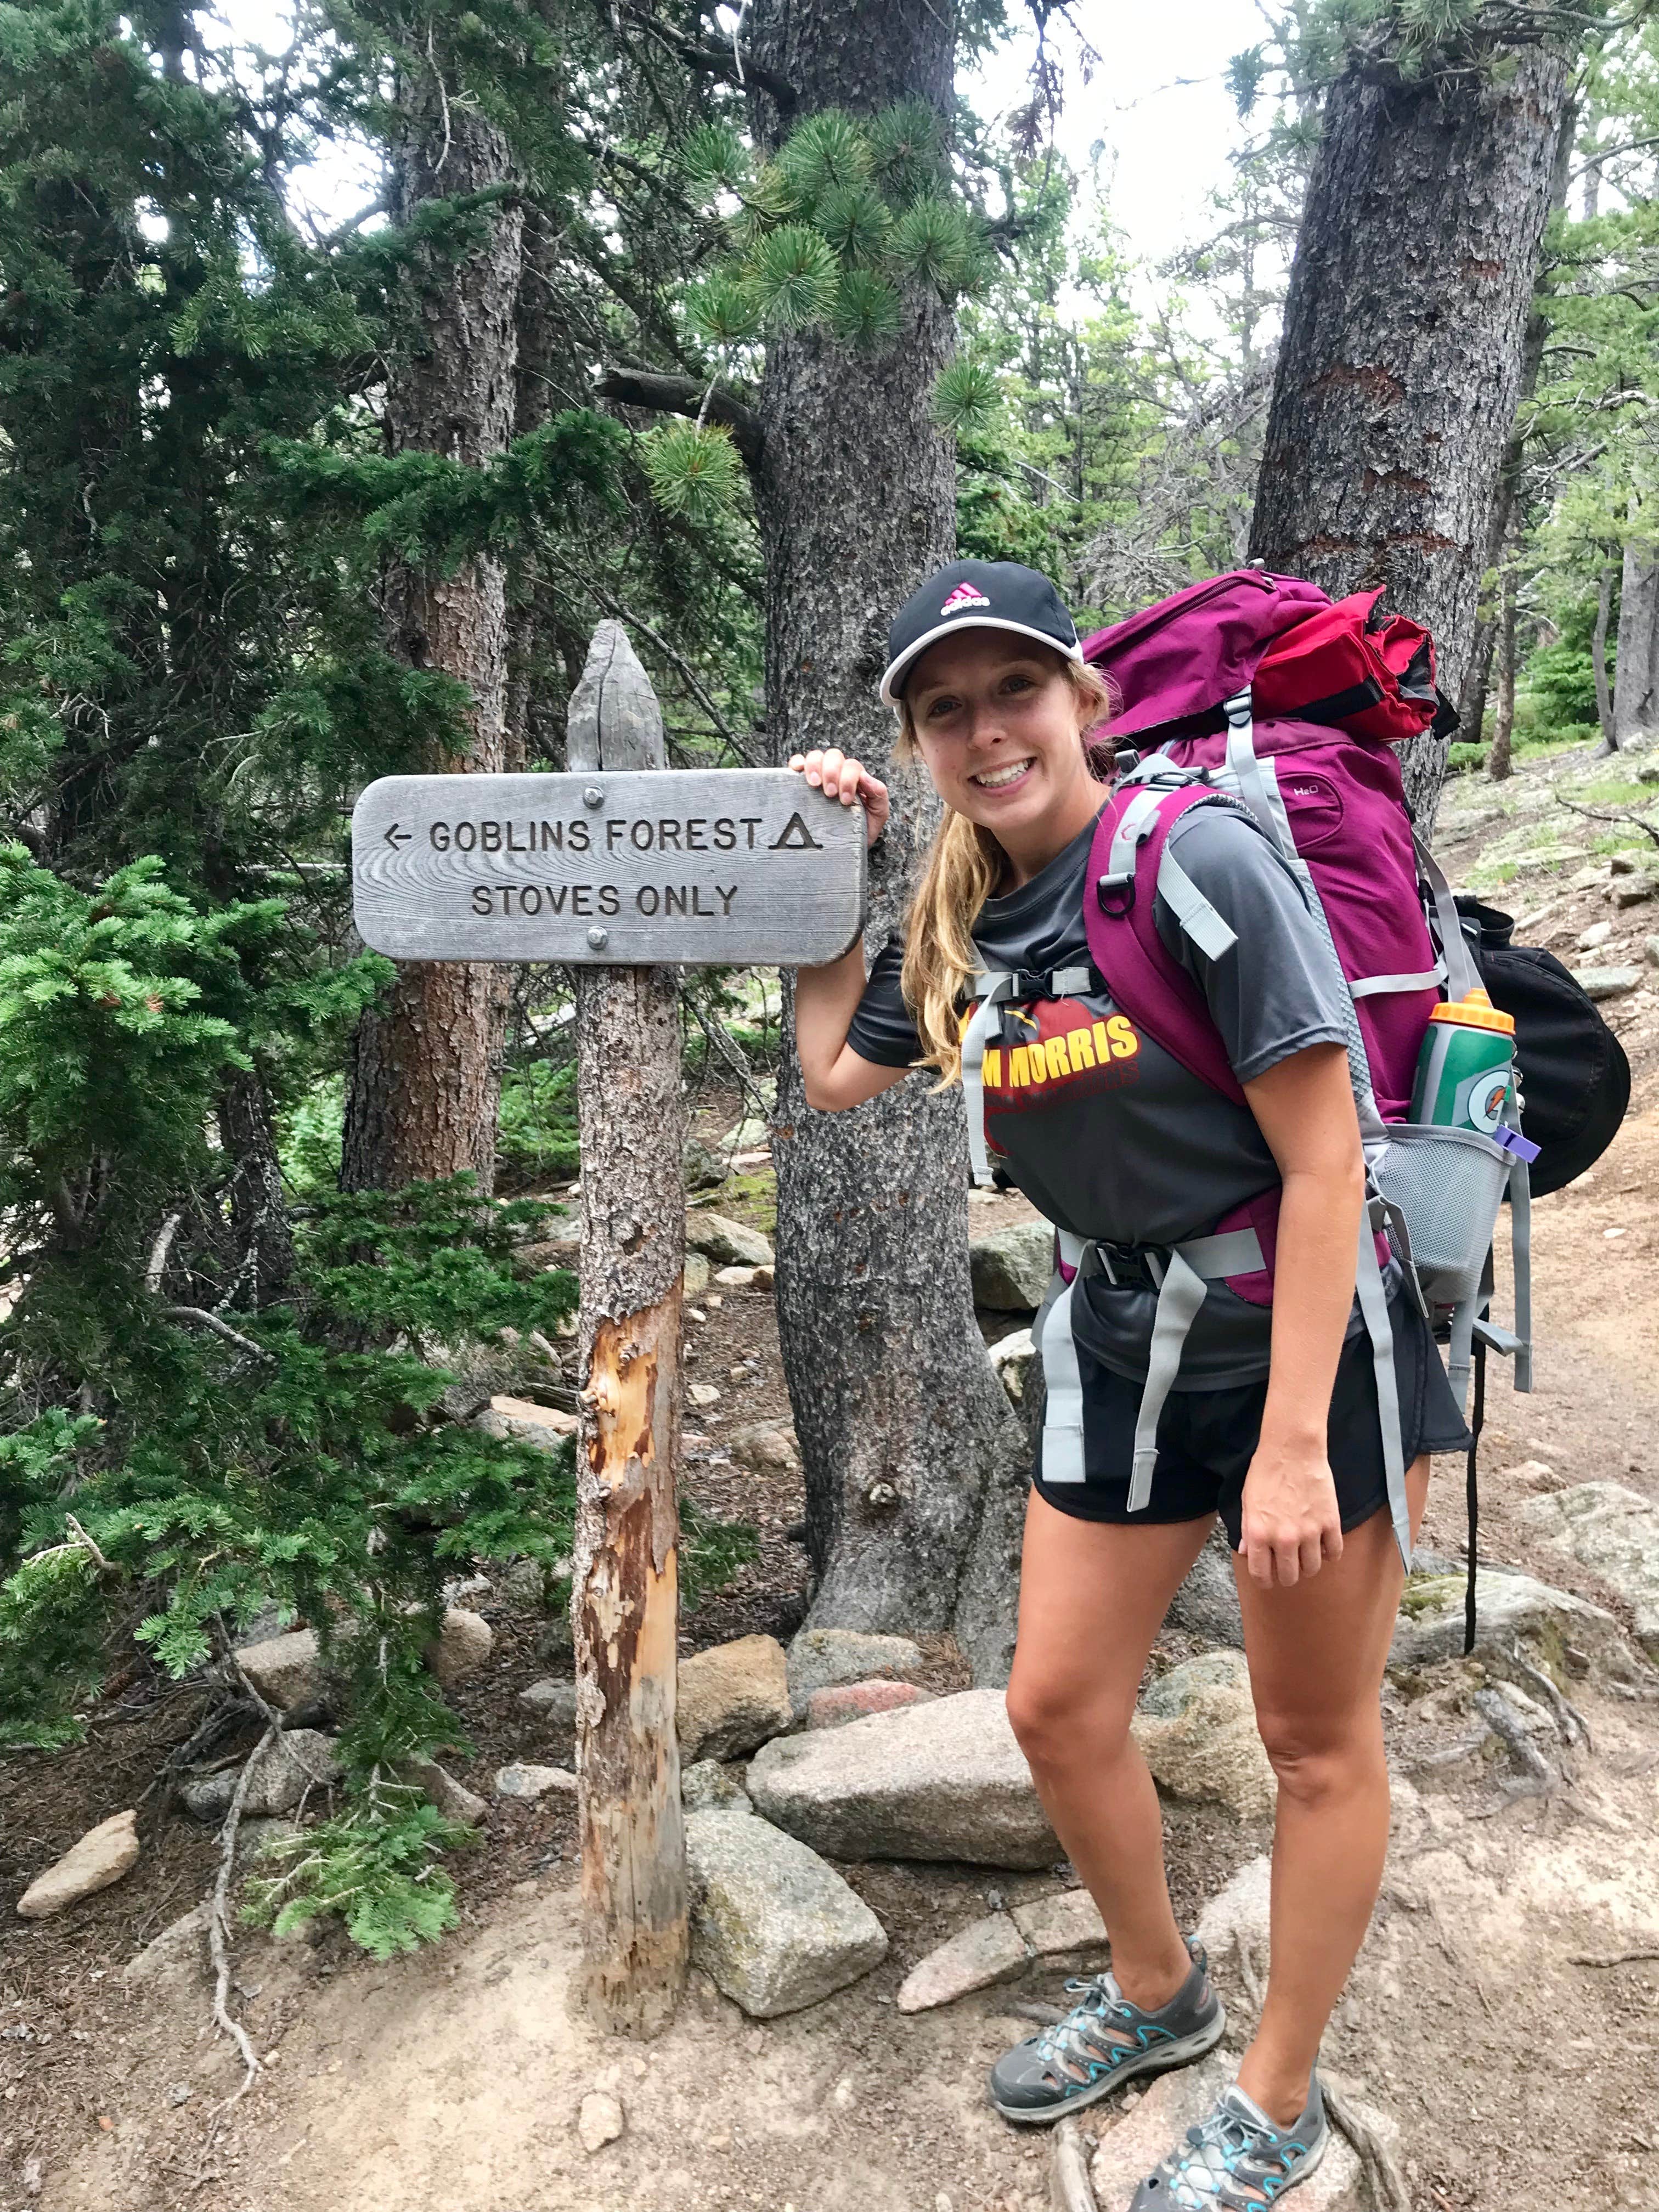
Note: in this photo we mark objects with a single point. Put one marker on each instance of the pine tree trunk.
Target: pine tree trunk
(914, 1464)
(1503, 740)
(1599, 660)
(1635, 673)
(1404, 329)
(424, 1078)
(258, 1209)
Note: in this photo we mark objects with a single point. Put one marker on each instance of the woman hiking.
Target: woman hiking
(1273, 1419)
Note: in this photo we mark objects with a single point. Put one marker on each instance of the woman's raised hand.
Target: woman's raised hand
(840, 777)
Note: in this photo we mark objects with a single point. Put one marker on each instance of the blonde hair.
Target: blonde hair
(961, 872)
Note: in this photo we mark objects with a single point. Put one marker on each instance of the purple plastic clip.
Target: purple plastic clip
(1513, 1141)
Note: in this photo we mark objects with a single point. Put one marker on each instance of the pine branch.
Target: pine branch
(683, 395)
(201, 1319)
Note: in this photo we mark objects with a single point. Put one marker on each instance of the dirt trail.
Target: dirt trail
(453, 2081)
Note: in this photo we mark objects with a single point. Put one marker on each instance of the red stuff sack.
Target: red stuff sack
(1375, 678)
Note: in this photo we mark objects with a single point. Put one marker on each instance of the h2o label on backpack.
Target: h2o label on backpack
(1316, 805)
(1479, 1101)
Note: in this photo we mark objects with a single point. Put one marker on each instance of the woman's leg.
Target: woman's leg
(1092, 1596)
(1316, 1654)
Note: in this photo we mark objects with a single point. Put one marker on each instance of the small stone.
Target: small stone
(704, 1169)
(179, 2092)
(1650, 947)
(1614, 1532)
(1622, 864)
(522, 1780)
(524, 1421)
(1597, 933)
(177, 1954)
(1011, 1267)
(774, 1926)
(1012, 1357)
(600, 2121)
(1528, 1474)
(1633, 891)
(1068, 1921)
(1599, 983)
(706, 1787)
(555, 1702)
(299, 1760)
(715, 1301)
(731, 1697)
(103, 1855)
(728, 1243)
(695, 1313)
(819, 1656)
(735, 1278)
(764, 1445)
(451, 1798)
(703, 1395)
(766, 1278)
(849, 1701)
(461, 1648)
(696, 1273)
(1196, 1729)
(1235, 1917)
(286, 1670)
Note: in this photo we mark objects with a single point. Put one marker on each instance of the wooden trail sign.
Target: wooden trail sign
(693, 867)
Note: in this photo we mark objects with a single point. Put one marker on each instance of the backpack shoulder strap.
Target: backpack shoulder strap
(1128, 868)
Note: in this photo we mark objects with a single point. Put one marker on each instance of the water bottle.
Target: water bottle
(1467, 1065)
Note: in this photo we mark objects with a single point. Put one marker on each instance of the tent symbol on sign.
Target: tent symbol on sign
(795, 837)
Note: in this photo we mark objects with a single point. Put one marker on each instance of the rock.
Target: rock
(178, 1955)
(1430, 1624)
(1012, 1357)
(840, 1701)
(103, 1855)
(1068, 1921)
(461, 1647)
(775, 1926)
(1205, 1606)
(764, 1445)
(986, 1951)
(731, 1697)
(1606, 983)
(702, 1394)
(819, 1656)
(1011, 1267)
(1650, 946)
(1633, 891)
(941, 1781)
(522, 1780)
(766, 1279)
(1596, 934)
(728, 1243)
(555, 1702)
(1235, 1917)
(696, 1273)
(1196, 1729)
(706, 1787)
(1525, 1474)
(523, 1421)
(1613, 1531)
(1131, 2148)
(600, 2121)
(300, 1760)
(255, 1837)
(735, 1278)
(286, 1670)
(704, 1169)
(451, 1798)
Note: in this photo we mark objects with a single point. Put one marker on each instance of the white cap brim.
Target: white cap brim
(912, 652)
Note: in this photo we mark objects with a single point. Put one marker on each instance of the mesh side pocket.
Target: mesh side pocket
(1449, 1184)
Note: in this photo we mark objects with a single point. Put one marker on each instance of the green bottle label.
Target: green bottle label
(1463, 1077)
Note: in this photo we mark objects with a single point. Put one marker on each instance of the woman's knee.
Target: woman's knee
(1056, 1720)
(1319, 1760)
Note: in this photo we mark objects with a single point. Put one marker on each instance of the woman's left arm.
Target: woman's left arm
(1304, 1108)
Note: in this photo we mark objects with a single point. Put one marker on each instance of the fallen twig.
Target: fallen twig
(1069, 2187)
(1389, 2184)
(1612, 1958)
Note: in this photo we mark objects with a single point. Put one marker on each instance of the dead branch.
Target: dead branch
(1388, 2182)
(1625, 816)
(218, 1919)
(202, 1319)
(683, 395)
(158, 1254)
(1069, 2187)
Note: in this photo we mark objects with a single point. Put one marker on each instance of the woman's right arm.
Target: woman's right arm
(827, 997)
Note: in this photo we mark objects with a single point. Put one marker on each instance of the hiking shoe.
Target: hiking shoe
(1102, 2042)
(1236, 2160)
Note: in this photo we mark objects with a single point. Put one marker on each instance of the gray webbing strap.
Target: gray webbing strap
(992, 990)
(1460, 1351)
(1051, 1333)
(1521, 1246)
(1068, 983)
(1246, 765)
(1462, 975)
(1372, 986)
(1135, 827)
(1192, 1268)
(1373, 1311)
(1197, 918)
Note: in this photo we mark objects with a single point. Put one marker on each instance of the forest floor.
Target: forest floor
(451, 2081)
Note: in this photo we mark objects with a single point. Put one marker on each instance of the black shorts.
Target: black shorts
(1207, 1438)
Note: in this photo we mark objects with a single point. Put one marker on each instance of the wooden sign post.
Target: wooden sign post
(625, 869)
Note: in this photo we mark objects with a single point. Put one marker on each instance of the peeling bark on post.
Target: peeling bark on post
(1405, 332)
(625, 1589)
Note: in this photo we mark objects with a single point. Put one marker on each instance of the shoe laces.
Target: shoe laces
(1206, 2173)
(1099, 1997)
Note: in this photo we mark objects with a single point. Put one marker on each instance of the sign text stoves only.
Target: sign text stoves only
(728, 867)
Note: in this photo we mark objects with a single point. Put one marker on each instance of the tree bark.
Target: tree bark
(424, 1078)
(1405, 327)
(1503, 738)
(1599, 660)
(914, 1461)
(625, 1570)
(1635, 674)
(258, 1209)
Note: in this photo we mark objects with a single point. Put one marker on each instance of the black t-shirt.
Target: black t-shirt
(1105, 1133)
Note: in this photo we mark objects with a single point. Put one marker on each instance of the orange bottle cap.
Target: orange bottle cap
(1476, 1011)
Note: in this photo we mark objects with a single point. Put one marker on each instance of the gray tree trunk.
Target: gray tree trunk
(1635, 673)
(424, 1078)
(1405, 331)
(914, 1462)
(258, 1209)
(1503, 737)
(1599, 660)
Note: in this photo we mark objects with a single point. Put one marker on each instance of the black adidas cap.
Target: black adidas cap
(976, 595)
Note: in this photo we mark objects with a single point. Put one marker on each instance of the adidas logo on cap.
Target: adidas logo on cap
(964, 596)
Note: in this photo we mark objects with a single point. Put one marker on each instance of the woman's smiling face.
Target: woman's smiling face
(997, 723)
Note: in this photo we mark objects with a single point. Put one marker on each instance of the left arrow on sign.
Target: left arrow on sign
(395, 836)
